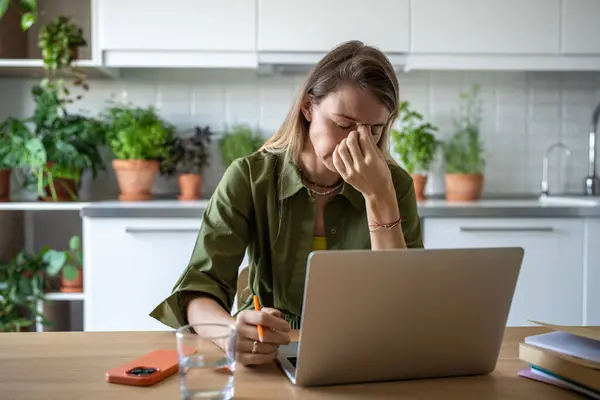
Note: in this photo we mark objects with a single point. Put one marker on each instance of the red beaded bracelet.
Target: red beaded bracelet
(377, 225)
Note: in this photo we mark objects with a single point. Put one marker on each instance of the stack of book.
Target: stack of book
(568, 357)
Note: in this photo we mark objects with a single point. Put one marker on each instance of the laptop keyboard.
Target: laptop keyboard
(292, 360)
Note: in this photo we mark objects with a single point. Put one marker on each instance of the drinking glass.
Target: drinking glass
(205, 370)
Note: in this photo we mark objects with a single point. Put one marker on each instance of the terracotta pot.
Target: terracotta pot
(419, 181)
(74, 286)
(463, 187)
(190, 186)
(4, 184)
(135, 178)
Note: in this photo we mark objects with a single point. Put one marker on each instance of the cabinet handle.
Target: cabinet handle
(161, 230)
(506, 229)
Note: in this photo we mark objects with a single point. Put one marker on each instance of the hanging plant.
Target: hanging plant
(59, 41)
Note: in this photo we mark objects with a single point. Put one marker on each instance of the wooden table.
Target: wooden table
(71, 365)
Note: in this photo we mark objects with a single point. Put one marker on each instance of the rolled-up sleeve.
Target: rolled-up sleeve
(219, 250)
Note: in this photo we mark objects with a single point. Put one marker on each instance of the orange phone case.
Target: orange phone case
(150, 368)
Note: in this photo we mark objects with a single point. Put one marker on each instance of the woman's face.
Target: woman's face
(340, 113)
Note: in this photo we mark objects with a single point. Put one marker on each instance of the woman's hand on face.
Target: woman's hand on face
(359, 162)
(275, 334)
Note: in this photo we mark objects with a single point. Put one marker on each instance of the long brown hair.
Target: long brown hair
(351, 62)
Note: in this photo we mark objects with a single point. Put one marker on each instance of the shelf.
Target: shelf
(41, 206)
(33, 68)
(59, 296)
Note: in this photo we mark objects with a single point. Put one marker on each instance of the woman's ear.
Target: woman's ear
(307, 108)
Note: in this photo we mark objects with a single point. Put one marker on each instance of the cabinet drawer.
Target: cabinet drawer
(131, 265)
(551, 284)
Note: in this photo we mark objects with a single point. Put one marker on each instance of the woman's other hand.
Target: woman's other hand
(275, 330)
(359, 162)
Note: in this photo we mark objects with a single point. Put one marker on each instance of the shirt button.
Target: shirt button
(333, 231)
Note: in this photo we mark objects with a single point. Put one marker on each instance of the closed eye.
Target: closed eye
(344, 126)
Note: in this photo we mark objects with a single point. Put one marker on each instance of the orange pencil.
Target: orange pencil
(259, 327)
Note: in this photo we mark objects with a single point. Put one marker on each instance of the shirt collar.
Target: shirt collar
(292, 184)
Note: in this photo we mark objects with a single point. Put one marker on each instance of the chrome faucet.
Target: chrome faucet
(592, 184)
(545, 165)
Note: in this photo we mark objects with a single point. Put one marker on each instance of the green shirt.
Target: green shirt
(272, 216)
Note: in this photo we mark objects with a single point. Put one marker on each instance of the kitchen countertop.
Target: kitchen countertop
(438, 208)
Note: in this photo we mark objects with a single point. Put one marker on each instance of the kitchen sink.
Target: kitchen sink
(574, 200)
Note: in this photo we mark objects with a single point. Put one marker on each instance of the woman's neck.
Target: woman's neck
(315, 171)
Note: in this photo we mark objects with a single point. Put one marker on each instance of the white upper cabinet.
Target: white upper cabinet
(485, 26)
(177, 33)
(319, 25)
(581, 27)
(177, 25)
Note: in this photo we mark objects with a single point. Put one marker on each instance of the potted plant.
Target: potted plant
(415, 144)
(239, 142)
(28, 11)
(25, 282)
(62, 146)
(464, 152)
(189, 158)
(13, 136)
(68, 264)
(141, 142)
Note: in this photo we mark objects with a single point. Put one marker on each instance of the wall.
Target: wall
(523, 114)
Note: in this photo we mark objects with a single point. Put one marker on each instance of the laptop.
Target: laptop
(387, 315)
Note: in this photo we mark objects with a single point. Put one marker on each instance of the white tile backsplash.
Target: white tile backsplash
(523, 114)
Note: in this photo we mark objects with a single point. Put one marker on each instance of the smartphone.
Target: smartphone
(148, 369)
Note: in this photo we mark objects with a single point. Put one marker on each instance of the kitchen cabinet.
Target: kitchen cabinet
(317, 26)
(177, 33)
(131, 265)
(580, 27)
(525, 27)
(551, 281)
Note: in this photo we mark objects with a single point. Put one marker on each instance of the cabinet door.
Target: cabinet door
(550, 285)
(486, 26)
(131, 265)
(318, 26)
(200, 25)
(592, 272)
(581, 27)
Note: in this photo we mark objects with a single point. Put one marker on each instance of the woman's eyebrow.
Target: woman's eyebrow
(355, 120)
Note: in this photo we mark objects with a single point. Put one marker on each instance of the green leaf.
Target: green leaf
(27, 20)
(55, 261)
(29, 5)
(3, 7)
(70, 272)
(75, 243)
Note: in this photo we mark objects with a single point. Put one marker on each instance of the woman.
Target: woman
(324, 180)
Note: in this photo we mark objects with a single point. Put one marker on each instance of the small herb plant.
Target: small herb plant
(464, 152)
(239, 142)
(190, 154)
(67, 262)
(59, 41)
(28, 11)
(415, 141)
(137, 133)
